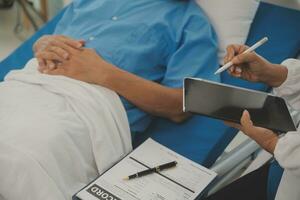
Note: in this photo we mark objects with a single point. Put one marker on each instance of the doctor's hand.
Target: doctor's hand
(266, 138)
(84, 65)
(52, 49)
(253, 67)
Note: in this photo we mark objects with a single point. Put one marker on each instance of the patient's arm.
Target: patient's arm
(86, 65)
(147, 95)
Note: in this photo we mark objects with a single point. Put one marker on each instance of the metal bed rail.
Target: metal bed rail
(230, 165)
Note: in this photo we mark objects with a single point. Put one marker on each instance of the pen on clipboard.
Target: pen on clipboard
(255, 46)
(152, 170)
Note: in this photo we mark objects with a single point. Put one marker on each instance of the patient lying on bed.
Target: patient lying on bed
(107, 70)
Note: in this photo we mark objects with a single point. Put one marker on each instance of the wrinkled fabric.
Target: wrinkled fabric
(57, 134)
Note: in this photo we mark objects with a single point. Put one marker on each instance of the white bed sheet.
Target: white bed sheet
(56, 134)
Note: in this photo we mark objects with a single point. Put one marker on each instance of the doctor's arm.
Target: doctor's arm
(285, 78)
(287, 150)
(254, 68)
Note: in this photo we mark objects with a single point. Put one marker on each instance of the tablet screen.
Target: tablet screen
(227, 102)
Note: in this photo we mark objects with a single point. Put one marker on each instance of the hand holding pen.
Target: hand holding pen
(252, 67)
(246, 51)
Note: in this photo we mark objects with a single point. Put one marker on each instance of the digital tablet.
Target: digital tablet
(226, 102)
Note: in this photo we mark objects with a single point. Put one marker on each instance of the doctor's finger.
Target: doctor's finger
(246, 122)
(244, 58)
(234, 125)
(235, 71)
(235, 49)
(238, 71)
(231, 49)
(231, 71)
(242, 49)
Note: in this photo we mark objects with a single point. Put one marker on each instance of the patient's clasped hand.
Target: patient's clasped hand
(67, 116)
(62, 55)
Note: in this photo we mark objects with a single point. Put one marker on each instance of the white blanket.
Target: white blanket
(56, 134)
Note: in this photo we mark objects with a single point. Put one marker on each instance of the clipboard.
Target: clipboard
(74, 197)
(188, 179)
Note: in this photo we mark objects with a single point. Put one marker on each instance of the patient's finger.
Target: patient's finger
(70, 50)
(56, 72)
(47, 55)
(82, 42)
(59, 51)
(42, 64)
(65, 47)
(72, 43)
(50, 65)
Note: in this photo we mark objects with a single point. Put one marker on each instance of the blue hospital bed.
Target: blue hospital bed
(201, 139)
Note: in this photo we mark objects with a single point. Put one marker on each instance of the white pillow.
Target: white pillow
(231, 20)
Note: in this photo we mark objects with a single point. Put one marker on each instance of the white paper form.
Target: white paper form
(183, 182)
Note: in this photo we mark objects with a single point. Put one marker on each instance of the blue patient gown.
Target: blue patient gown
(158, 40)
